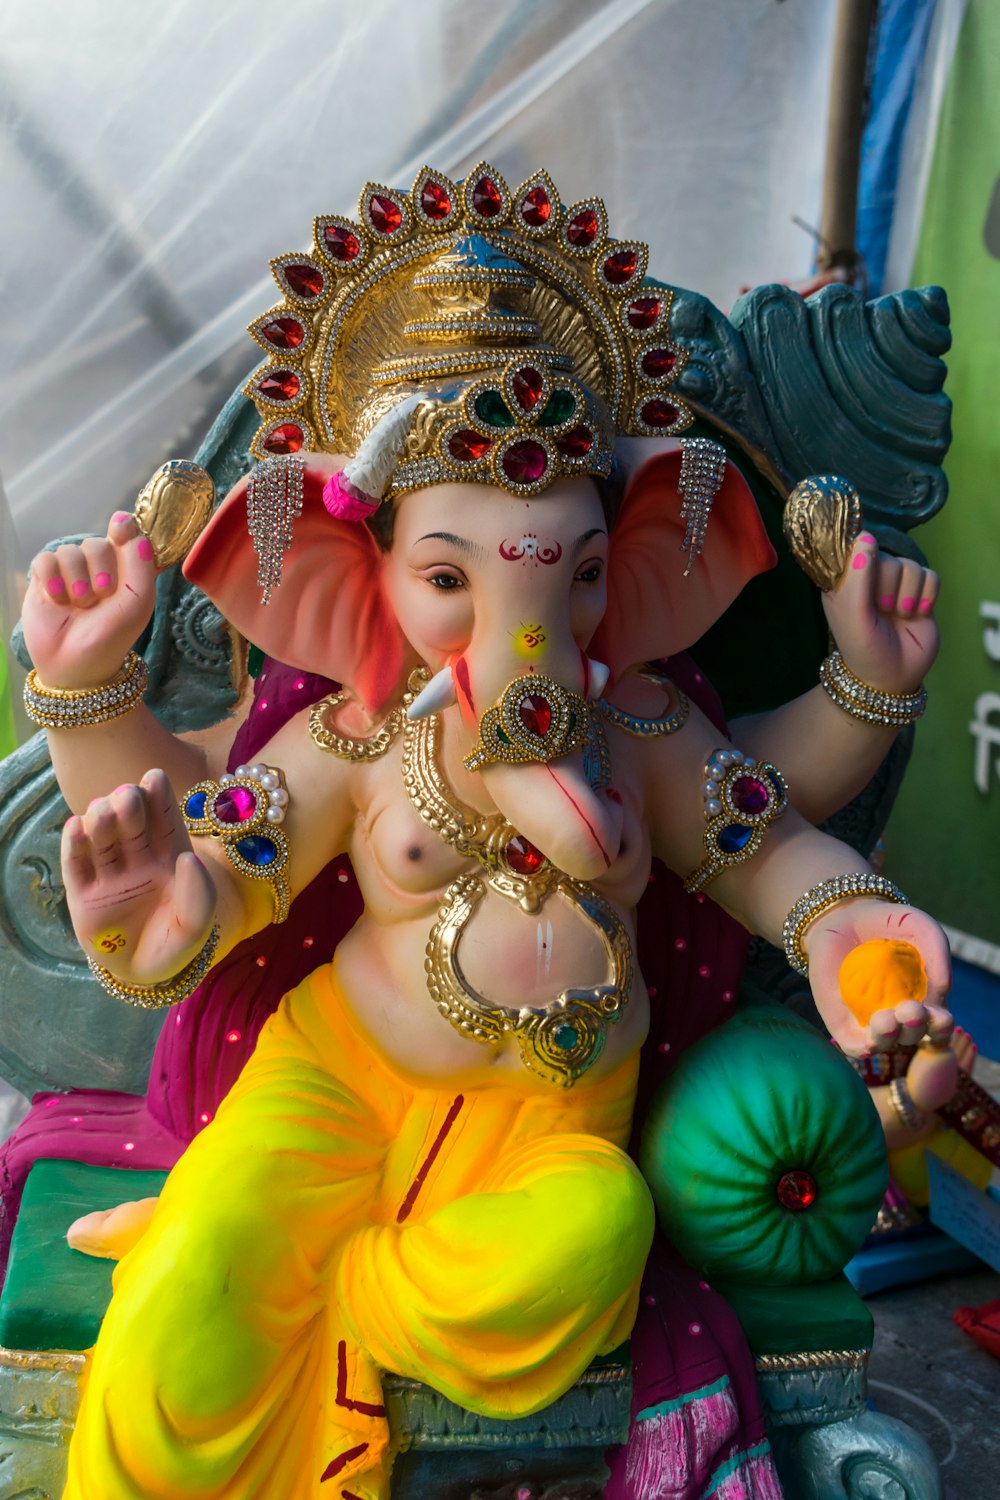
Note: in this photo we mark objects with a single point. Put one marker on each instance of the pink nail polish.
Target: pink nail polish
(860, 562)
(925, 606)
(120, 516)
(56, 587)
(145, 549)
(102, 580)
(887, 601)
(867, 538)
(80, 587)
(907, 603)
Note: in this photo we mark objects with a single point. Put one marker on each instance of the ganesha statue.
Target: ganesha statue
(482, 511)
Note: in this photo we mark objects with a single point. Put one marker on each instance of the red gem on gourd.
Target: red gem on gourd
(643, 312)
(386, 216)
(466, 446)
(522, 856)
(527, 386)
(235, 804)
(280, 385)
(342, 243)
(284, 333)
(304, 280)
(750, 795)
(620, 267)
(434, 200)
(288, 438)
(796, 1191)
(525, 462)
(659, 413)
(583, 229)
(487, 199)
(657, 362)
(576, 443)
(535, 713)
(536, 207)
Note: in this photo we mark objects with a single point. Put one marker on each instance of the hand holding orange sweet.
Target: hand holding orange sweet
(879, 975)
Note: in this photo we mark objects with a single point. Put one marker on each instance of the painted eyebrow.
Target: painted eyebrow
(461, 542)
(597, 531)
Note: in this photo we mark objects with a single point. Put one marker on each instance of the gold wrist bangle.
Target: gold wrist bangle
(829, 893)
(244, 811)
(903, 1107)
(157, 996)
(870, 705)
(76, 708)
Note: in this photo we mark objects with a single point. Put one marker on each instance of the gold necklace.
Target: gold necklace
(343, 745)
(565, 1037)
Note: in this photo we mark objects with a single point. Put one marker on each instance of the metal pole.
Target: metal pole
(838, 224)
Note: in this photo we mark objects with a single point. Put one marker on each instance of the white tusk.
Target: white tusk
(438, 694)
(599, 675)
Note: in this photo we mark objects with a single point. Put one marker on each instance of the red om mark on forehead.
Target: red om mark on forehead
(531, 548)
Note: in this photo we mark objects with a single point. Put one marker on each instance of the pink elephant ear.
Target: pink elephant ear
(653, 610)
(328, 615)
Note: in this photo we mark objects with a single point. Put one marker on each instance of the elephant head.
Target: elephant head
(490, 586)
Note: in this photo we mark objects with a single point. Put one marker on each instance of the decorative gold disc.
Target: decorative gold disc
(173, 507)
(822, 521)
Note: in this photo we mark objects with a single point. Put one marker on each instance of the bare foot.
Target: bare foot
(112, 1232)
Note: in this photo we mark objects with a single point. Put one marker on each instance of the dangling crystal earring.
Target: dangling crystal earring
(703, 468)
(274, 501)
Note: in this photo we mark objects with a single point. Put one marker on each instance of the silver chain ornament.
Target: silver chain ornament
(703, 468)
(274, 502)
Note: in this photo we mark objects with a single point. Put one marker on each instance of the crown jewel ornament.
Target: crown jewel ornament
(525, 338)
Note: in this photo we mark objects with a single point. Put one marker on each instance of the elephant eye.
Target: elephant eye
(446, 581)
(588, 574)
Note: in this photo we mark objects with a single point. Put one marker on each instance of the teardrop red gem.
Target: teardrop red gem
(434, 200)
(576, 443)
(342, 243)
(386, 215)
(582, 230)
(620, 267)
(643, 312)
(657, 362)
(536, 207)
(536, 715)
(487, 199)
(659, 413)
(284, 333)
(466, 446)
(288, 438)
(280, 385)
(527, 386)
(304, 280)
(523, 857)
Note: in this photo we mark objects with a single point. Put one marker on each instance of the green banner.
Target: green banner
(944, 839)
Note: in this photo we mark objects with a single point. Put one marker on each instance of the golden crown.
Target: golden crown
(524, 336)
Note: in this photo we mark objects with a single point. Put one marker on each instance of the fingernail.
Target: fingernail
(145, 549)
(887, 601)
(80, 587)
(125, 787)
(120, 516)
(860, 562)
(56, 587)
(925, 606)
(867, 537)
(907, 603)
(102, 580)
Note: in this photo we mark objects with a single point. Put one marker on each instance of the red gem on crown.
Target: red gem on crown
(576, 443)
(536, 207)
(342, 243)
(284, 333)
(288, 438)
(280, 385)
(466, 446)
(487, 199)
(583, 229)
(434, 200)
(621, 266)
(527, 386)
(643, 312)
(386, 216)
(659, 413)
(304, 280)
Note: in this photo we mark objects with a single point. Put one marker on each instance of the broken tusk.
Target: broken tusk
(599, 675)
(437, 695)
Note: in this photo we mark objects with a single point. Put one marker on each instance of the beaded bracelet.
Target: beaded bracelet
(76, 708)
(867, 703)
(820, 899)
(156, 996)
(903, 1107)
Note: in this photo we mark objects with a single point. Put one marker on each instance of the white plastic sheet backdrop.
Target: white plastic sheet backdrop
(155, 154)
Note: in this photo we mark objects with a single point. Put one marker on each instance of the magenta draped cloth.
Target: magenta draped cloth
(697, 1427)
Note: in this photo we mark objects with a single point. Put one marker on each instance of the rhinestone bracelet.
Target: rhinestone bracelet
(820, 899)
(867, 703)
(76, 708)
(903, 1107)
(156, 996)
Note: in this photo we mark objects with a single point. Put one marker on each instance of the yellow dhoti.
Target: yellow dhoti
(338, 1218)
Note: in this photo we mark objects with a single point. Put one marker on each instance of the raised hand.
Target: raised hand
(86, 604)
(142, 903)
(828, 942)
(881, 615)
